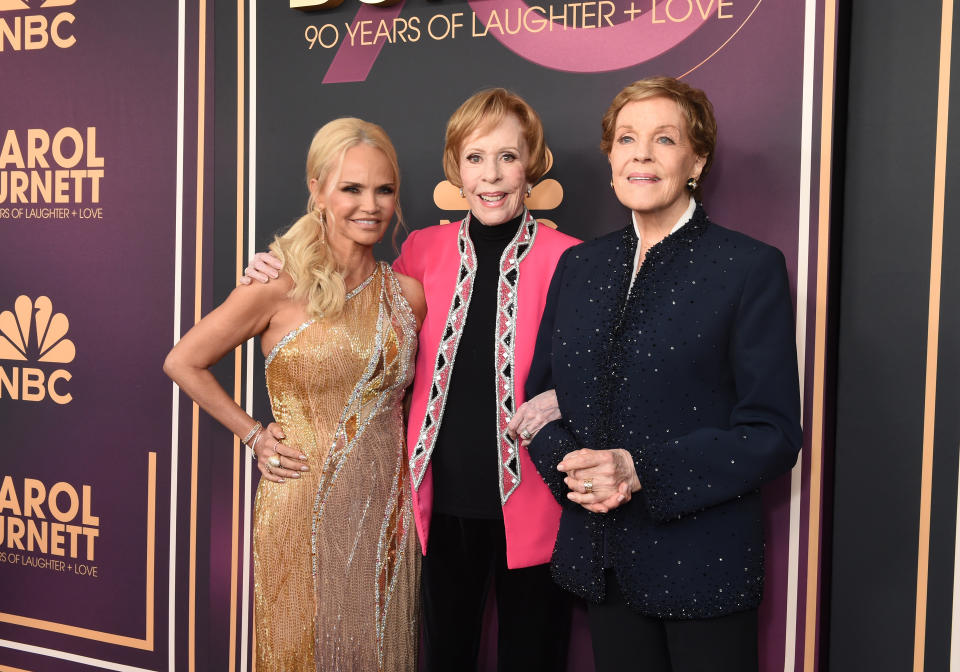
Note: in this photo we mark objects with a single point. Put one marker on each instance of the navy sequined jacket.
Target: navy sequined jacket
(695, 374)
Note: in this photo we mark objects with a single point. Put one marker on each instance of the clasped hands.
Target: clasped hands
(599, 480)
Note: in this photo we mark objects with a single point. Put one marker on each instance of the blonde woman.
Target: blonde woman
(336, 563)
(486, 520)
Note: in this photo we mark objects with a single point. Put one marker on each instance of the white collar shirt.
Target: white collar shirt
(684, 218)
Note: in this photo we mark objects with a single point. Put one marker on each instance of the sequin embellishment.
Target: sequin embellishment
(506, 327)
(391, 357)
(509, 275)
(292, 334)
(337, 561)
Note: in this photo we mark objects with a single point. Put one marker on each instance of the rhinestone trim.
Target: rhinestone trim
(504, 337)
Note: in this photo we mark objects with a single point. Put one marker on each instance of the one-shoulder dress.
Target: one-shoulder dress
(336, 559)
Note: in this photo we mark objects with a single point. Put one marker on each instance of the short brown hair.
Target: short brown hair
(696, 108)
(484, 110)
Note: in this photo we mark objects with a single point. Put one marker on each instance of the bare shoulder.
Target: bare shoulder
(413, 293)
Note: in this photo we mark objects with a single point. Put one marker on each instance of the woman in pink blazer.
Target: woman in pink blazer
(482, 511)
(481, 508)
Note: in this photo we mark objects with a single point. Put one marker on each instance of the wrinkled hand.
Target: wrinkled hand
(610, 473)
(533, 415)
(267, 445)
(263, 267)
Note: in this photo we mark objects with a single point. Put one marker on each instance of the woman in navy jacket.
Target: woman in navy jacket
(671, 347)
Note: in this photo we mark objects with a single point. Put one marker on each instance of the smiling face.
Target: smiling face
(360, 200)
(651, 160)
(493, 170)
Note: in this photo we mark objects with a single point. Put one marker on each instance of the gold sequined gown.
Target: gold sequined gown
(336, 558)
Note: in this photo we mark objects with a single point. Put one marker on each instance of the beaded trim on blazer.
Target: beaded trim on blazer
(504, 335)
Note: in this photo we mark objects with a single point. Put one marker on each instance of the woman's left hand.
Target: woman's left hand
(533, 415)
(599, 480)
(287, 462)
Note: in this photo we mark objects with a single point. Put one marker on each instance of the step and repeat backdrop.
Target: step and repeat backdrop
(146, 149)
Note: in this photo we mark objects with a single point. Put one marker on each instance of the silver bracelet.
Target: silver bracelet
(256, 428)
(253, 446)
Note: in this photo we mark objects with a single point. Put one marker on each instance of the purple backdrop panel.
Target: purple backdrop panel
(87, 206)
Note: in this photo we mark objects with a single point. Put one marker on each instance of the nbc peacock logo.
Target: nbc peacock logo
(32, 332)
(36, 29)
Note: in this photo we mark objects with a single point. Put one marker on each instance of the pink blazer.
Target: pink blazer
(531, 515)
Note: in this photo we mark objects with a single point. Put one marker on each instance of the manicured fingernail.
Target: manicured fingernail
(274, 275)
(304, 468)
(294, 475)
(620, 498)
(561, 467)
(303, 457)
(280, 480)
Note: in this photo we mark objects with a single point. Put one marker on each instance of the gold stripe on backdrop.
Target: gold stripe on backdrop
(933, 335)
(820, 338)
(151, 543)
(235, 523)
(241, 132)
(197, 309)
(237, 359)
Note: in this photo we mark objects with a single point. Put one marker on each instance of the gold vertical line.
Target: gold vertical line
(235, 528)
(933, 335)
(238, 353)
(197, 309)
(820, 338)
(151, 541)
(192, 589)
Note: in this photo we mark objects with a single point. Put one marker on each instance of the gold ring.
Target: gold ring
(273, 461)
(525, 435)
(588, 486)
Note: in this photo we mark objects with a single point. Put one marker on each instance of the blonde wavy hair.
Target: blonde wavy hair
(303, 248)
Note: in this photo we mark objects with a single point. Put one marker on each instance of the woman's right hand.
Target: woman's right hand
(263, 267)
(532, 415)
(267, 445)
(599, 480)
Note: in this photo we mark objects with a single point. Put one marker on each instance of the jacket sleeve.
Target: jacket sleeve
(409, 262)
(547, 448)
(553, 441)
(713, 465)
(540, 377)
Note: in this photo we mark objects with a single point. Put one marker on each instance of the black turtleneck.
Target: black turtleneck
(465, 468)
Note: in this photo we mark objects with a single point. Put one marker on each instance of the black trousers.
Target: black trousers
(626, 640)
(464, 555)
